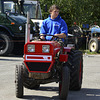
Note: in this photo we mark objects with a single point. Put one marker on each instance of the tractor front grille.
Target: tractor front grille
(36, 66)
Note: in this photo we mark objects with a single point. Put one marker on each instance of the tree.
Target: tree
(79, 11)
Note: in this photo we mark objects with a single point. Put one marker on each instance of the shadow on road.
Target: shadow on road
(34, 97)
(48, 89)
(12, 55)
(43, 90)
(83, 94)
(11, 58)
(46, 97)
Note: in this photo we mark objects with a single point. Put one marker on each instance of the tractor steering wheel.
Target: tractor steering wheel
(52, 39)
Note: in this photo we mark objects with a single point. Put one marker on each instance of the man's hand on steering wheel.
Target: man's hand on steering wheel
(42, 37)
(54, 38)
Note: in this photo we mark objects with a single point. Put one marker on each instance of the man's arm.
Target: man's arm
(62, 35)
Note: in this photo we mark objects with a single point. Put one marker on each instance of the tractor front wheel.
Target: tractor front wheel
(64, 83)
(19, 81)
(28, 82)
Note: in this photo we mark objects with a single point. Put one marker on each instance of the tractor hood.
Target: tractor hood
(95, 30)
(18, 19)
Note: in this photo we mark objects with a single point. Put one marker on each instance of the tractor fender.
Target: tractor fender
(64, 57)
(67, 49)
(4, 28)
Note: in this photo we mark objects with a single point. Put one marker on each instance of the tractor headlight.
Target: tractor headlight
(46, 48)
(31, 48)
(20, 28)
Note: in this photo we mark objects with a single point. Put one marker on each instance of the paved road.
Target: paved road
(90, 88)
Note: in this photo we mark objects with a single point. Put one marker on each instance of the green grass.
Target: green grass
(88, 52)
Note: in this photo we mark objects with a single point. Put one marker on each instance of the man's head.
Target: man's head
(54, 11)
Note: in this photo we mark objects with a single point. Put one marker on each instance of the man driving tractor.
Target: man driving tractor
(50, 61)
(53, 25)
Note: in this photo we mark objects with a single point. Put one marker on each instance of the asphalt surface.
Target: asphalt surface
(90, 87)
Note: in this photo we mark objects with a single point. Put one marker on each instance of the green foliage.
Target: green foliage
(79, 11)
(89, 53)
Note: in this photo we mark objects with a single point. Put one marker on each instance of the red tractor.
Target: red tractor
(49, 61)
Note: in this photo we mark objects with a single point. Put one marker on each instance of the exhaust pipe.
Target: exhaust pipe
(27, 31)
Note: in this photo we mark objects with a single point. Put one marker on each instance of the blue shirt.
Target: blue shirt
(53, 26)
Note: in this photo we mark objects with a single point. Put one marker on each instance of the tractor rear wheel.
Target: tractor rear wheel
(64, 83)
(19, 81)
(75, 64)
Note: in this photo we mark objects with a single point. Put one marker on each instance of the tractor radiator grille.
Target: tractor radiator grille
(34, 66)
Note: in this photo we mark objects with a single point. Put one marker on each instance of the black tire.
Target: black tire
(64, 83)
(93, 45)
(75, 63)
(6, 43)
(19, 81)
(29, 83)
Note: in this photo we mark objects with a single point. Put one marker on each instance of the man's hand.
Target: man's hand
(42, 37)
